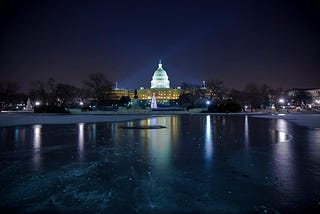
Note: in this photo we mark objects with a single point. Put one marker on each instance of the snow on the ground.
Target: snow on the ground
(16, 119)
(309, 120)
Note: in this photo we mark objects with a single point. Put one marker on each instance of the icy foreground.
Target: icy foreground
(196, 164)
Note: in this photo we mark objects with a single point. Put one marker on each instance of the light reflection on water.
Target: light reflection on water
(158, 142)
(19, 135)
(246, 131)
(283, 158)
(160, 148)
(92, 132)
(207, 155)
(16, 135)
(208, 141)
(81, 140)
(36, 158)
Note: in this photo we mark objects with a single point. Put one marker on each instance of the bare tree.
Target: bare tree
(38, 91)
(217, 89)
(98, 86)
(67, 93)
(9, 93)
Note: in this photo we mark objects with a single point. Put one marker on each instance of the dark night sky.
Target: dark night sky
(268, 41)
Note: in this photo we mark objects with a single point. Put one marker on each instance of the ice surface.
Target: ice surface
(196, 164)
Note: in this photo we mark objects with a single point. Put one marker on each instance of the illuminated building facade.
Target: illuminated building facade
(163, 94)
(117, 93)
(160, 87)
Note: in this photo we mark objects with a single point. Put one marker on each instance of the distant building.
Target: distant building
(160, 86)
(117, 93)
(160, 78)
(312, 100)
(162, 94)
(315, 94)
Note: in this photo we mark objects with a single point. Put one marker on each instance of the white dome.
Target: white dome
(160, 78)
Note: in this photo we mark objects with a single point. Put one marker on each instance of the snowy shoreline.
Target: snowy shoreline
(21, 119)
(309, 120)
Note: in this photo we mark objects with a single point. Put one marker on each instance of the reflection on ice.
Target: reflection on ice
(36, 158)
(283, 131)
(282, 137)
(92, 133)
(36, 136)
(160, 170)
(283, 154)
(160, 149)
(81, 140)
(208, 140)
(16, 135)
(246, 131)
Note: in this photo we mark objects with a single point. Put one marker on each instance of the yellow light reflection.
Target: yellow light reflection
(161, 143)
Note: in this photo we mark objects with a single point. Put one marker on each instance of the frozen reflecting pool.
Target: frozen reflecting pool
(183, 164)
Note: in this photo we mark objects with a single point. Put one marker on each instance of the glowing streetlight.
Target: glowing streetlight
(281, 100)
(37, 103)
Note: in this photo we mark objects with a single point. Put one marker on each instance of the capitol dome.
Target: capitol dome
(160, 78)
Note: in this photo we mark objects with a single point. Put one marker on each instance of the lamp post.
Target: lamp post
(281, 102)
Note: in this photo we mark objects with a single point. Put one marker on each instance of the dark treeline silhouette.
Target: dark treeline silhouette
(52, 93)
(218, 98)
(96, 91)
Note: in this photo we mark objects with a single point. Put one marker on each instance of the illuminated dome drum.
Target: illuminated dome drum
(160, 78)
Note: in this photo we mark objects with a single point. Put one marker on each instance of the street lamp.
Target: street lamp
(281, 101)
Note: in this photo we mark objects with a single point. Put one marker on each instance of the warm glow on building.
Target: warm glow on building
(160, 86)
(161, 94)
(117, 93)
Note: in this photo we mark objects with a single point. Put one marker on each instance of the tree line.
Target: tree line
(217, 97)
(51, 92)
(97, 87)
